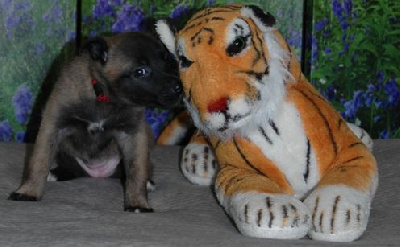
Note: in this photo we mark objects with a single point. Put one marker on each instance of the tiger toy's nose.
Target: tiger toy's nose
(220, 105)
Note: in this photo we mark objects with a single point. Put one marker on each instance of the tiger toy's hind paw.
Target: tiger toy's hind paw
(339, 213)
(198, 164)
(265, 215)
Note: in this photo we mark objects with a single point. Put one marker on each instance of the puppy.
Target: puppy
(94, 118)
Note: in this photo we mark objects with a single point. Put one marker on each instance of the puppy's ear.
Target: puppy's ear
(97, 48)
(167, 34)
(262, 19)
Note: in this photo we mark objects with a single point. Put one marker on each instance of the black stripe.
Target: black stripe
(244, 157)
(217, 18)
(321, 218)
(289, 65)
(297, 216)
(340, 122)
(330, 131)
(246, 213)
(271, 214)
(206, 149)
(314, 213)
(189, 98)
(306, 173)
(348, 217)
(285, 213)
(273, 126)
(334, 213)
(353, 159)
(264, 135)
(355, 144)
(259, 217)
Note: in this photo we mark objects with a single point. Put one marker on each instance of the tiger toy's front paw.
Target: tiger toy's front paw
(265, 215)
(339, 213)
(198, 164)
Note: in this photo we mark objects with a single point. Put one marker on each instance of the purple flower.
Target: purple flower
(295, 39)
(384, 134)
(314, 49)
(328, 50)
(39, 49)
(392, 92)
(348, 6)
(22, 102)
(103, 9)
(156, 120)
(12, 21)
(377, 119)
(321, 24)
(344, 25)
(6, 4)
(210, 3)
(337, 8)
(20, 136)
(5, 131)
(380, 77)
(129, 18)
(180, 10)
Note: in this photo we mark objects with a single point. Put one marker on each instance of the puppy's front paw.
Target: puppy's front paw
(265, 215)
(339, 213)
(138, 210)
(21, 197)
(198, 164)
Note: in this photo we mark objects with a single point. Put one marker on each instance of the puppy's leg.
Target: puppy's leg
(135, 156)
(32, 186)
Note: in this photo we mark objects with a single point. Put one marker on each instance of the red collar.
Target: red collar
(100, 96)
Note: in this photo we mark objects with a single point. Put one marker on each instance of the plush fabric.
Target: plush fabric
(89, 212)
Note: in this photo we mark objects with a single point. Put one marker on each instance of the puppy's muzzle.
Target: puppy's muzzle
(171, 95)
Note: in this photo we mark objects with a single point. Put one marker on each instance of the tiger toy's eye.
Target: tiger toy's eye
(237, 46)
(184, 62)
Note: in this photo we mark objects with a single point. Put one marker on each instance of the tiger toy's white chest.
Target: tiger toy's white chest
(283, 141)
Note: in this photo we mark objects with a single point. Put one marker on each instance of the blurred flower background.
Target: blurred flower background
(33, 34)
(355, 61)
(353, 53)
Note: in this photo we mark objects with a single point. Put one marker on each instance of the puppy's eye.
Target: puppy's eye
(141, 73)
(237, 46)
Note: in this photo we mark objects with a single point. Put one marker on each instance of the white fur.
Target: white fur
(362, 135)
(150, 186)
(248, 12)
(346, 227)
(177, 135)
(51, 177)
(272, 89)
(166, 35)
(245, 208)
(288, 150)
(201, 170)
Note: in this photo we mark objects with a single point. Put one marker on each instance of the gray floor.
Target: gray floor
(89, 212)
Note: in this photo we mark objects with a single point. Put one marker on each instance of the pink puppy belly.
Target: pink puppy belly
(100, 168)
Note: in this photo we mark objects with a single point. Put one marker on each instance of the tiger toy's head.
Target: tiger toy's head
(232, 66)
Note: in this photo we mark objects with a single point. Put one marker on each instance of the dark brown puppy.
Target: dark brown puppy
(94, 118)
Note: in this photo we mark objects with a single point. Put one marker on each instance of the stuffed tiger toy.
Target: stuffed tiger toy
(289, 165)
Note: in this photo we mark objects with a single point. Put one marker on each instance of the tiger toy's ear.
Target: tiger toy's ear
(263, 20)
(166, 34)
